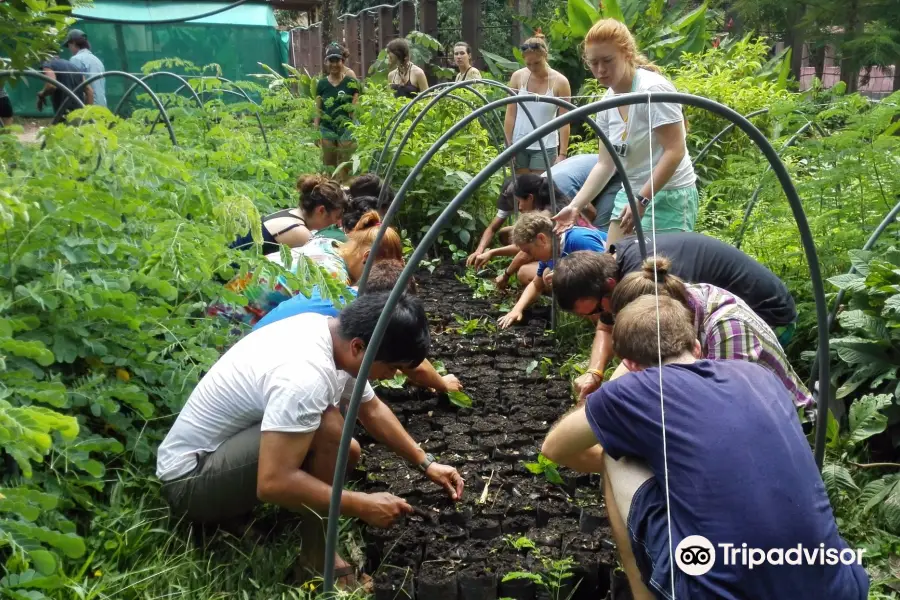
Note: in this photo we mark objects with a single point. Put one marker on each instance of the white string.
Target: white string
(662, 408)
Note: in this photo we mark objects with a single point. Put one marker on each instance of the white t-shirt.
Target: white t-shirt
(284, 377)
(636, 133)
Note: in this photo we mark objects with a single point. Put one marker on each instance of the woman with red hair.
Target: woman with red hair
(649, 138)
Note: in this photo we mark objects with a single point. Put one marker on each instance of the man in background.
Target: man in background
(82, 57)
(68, 75)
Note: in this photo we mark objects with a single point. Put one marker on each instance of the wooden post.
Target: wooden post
(522, 8)
(428, 22)
(317, 52)
(351, 40)
(407, 18)
(386, 31)
(471, 18)
(368, 42)
(303, 56)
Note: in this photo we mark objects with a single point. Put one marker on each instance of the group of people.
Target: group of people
(699, 431)
(337, 93)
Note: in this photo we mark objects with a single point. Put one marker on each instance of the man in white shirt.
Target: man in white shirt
(89, 64)
(264, 423)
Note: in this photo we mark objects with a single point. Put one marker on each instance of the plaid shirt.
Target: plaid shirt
(729, 329)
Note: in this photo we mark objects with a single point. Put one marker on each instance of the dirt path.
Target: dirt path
(474, 544)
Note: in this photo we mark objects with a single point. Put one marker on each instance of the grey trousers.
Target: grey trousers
(222, 485)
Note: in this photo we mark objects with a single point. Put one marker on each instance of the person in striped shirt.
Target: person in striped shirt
(727, 328)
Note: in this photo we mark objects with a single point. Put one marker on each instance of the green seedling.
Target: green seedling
(460, 399)
(546, 467)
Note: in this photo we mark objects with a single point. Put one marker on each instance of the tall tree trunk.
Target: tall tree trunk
(852, 30)
(819, 61)
(329, 26)
(795, 38)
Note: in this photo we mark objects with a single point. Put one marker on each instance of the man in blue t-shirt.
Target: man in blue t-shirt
(733, 463)
(533, 234)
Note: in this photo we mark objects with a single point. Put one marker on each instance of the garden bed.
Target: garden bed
(525, 524)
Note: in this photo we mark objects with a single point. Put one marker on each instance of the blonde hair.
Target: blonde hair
(528, 227)
(610, 31)
(363, 236)
(538, 40)
(635, 336)
(643, 282)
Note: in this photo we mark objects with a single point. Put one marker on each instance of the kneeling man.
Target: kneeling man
(264, 423)
(734, 467)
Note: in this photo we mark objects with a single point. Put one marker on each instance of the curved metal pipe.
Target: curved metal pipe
(739, 239)
(398, 198)
(241, 92)
(890, 218)
(578, 114)
(702, 154)
(137, 81)
(183, 81)
(70, 94)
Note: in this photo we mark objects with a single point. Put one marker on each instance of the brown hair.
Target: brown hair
(384, 275)
(583, 274)
(538, 40)
(634, 285)
(635, 335)
(610, 31)
(528, 227)
(399, 47)
(316, 190)
(464, 45)
(363, 236)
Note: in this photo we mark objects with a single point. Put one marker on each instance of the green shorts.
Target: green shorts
(676, 210)
(336, 136)
(533, 160)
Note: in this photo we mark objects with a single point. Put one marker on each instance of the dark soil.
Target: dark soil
(464, 550)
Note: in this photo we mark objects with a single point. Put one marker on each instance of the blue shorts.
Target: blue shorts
(648, 529)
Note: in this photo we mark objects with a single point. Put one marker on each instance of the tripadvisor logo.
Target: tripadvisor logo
(696, 555)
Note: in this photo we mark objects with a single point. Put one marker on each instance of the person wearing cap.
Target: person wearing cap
(67, 75)
(336, 95)
(87, 63)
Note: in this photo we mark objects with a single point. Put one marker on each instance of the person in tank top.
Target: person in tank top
(406, 79)
(537, 79)
(462, 56)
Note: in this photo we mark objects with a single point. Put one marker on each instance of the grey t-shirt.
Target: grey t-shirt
(90, 65)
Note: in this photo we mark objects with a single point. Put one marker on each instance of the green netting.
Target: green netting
(237, 40)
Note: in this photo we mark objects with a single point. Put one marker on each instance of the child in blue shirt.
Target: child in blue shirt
(532, 234)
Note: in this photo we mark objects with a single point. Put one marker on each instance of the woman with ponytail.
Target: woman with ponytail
(342, 262)
(537, 78)
(611, 54)
(726, 327)
(322, 203)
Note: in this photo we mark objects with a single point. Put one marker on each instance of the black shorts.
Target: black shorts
(6, 109)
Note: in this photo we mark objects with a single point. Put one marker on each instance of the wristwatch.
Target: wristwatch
(645, 202)
(423, 466)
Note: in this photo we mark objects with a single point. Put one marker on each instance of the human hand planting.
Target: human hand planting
(382, 509)
(451, 383)
(448, 478)
(586, 384)
(513, 316)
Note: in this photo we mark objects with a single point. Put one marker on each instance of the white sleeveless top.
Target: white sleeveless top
(541, 112)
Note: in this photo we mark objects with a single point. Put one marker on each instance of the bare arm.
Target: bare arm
(421, 80)
(572, 443)
(281, 481)
(296, 237)
(426, 376)
(509, 123)
(511, 250)
(529, 296)
(564, 92)
(601, 354)
(382, 424)
(486, 237)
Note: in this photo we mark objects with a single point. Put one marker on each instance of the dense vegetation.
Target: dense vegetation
(114, 242)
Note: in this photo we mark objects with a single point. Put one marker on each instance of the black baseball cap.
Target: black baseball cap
(74, 34)
(334, 51)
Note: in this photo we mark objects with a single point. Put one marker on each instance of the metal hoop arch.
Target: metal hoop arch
(488, 171)
(181, 79)
(739, 238)
(136, 81)
(241, 92)
(70, 94)
(398, 198)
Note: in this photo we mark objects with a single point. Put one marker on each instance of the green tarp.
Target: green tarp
(237, 40)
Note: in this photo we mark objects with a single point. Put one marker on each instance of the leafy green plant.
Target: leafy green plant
(546, 467)
(460, 399)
